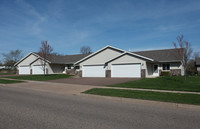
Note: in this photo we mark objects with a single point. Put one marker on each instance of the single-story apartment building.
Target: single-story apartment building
(34, 64)
(109, 62)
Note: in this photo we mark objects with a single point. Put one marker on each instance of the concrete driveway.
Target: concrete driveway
(93, 81)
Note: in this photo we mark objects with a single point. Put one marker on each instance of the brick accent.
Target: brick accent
(47, 71)
(78, 73)
(175, 72)
(71, 71)
(160, 72)
(143, 74)
(108, 73)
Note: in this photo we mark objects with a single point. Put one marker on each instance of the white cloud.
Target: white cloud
(36, 18)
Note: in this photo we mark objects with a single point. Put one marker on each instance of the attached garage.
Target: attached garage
(24, 70)
(38, 69)
(93, 71)
(126, 70)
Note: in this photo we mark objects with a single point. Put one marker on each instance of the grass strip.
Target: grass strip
(148, 95)
(175, 83)
(41, 77)
(4, 81)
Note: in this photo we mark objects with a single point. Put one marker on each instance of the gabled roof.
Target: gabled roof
(31, 53)
(163, 55)
(57, 59)
(197, 61)
(132, 54)
(99, 52)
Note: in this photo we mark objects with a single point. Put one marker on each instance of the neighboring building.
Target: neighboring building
(33, 64)
(114, 62)
(107, 62)
(197, 64)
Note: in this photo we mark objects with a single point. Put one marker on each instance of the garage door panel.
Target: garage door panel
(94, 71)
(37, 69)
(126, 70)
(24, 70)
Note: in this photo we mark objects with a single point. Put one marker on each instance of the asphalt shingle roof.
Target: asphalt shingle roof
(161, 55)
(66, 59)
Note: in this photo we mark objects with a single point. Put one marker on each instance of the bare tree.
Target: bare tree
(12, 57)
(45, 52)
(184, 53)
(85, 50)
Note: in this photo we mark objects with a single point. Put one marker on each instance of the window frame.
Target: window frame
(166, 66)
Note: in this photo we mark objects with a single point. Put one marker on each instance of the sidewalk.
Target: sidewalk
(90, 87)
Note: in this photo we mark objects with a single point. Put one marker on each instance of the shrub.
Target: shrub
(165, 73)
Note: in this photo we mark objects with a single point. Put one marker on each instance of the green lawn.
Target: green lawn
(148, 95)
(4, 81)
(41, 77)
(6, 73)
(164, 83)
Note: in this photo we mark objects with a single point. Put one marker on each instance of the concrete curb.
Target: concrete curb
(164, 91)
(145, 102)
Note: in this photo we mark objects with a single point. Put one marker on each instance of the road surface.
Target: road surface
(29, 109)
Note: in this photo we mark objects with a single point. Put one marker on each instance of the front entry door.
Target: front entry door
(155, 70)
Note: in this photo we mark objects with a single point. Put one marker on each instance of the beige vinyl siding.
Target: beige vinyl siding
(52, 68)
(28, 60)
(127, 59)
(101, 57)
(149, 71)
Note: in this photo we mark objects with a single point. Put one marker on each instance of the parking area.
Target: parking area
(93, 81)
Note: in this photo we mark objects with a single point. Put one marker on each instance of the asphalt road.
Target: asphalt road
(28, 109)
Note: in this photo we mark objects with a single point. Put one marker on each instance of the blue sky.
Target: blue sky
(69, 24)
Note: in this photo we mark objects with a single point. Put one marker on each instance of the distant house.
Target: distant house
(197, 64)
(107, 62)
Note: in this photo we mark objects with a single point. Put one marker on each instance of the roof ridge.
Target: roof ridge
(157, 50)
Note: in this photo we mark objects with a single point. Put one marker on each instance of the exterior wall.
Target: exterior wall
(56, 68)
(175, 68)
(128, 59)
(101, 58)
(52, 68)
(149, 71)
(28, 60)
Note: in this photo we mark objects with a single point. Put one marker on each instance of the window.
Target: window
(166, 67)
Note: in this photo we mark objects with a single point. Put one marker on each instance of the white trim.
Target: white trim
(98, 52)
(140, 56)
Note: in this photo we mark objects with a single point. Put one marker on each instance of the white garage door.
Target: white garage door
(126, 70)
(24, 70)
(37, 69)
(93, 71)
